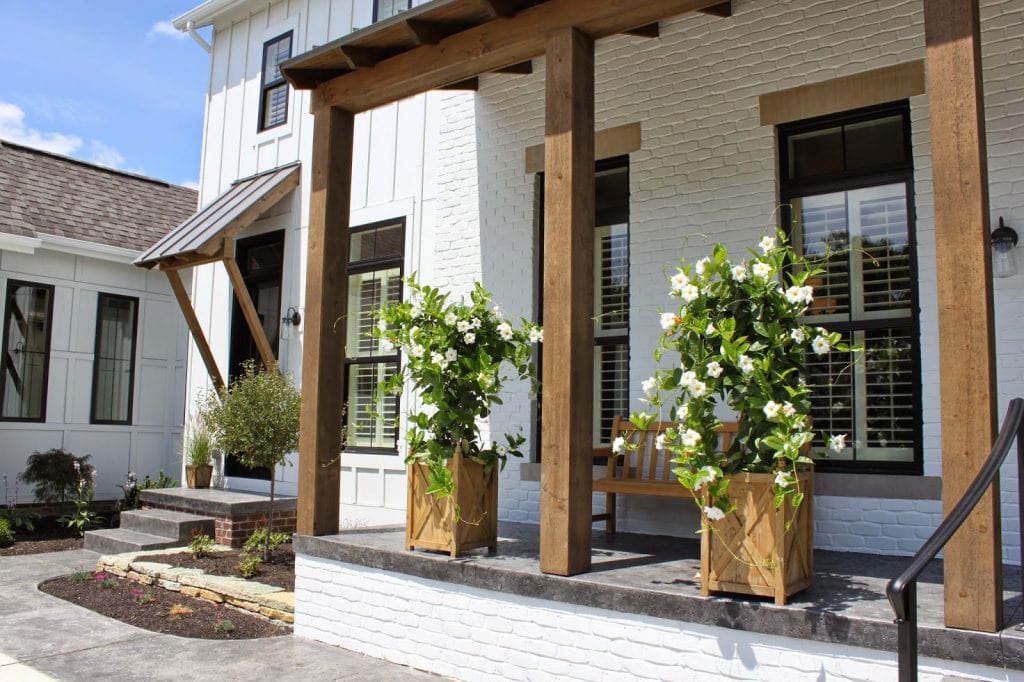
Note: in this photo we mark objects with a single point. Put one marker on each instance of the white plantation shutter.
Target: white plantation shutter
(273, 88)
(611, 328)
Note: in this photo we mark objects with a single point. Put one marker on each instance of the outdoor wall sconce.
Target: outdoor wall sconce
(290, 324)
(1003, 240)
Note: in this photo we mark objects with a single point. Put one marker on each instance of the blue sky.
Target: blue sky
(107, 81)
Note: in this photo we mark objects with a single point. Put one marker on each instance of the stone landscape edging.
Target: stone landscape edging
(266, 601)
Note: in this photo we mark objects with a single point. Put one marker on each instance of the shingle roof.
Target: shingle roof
(46, 193)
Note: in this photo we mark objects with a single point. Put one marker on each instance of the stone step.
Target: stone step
(175, 525)
(121, 540)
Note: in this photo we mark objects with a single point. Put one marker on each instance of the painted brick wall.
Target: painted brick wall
(472, 634)
(706, 172)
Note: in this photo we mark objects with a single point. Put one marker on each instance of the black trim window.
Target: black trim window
(376, 252)
(113, 375)
(25, 366)
(385, 9)
(273, 86)
(848, 183)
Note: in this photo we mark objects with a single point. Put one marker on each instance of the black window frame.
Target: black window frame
(96, 360)
(357, 268)
(267, 87)
(8, 291)
(851, 180)
(376, 10)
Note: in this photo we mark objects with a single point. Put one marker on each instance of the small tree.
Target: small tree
(256, 418)
(55, 474)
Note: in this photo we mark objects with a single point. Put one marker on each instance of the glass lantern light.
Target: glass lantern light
(290, 324)
(1004, 239)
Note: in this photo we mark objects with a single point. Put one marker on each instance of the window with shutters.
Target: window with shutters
(847, 183)
(113, 373)
(28, 319)
(611, 295)
(273, 86)
(385, 9)
(375, 277)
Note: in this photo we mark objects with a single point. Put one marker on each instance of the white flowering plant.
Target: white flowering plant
(458, 356)
(738, 338)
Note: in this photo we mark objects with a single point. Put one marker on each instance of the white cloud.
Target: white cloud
(105, 155)
(13, 128)
(191, 184)
(165, 28)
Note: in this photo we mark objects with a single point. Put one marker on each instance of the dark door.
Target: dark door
(260, 260)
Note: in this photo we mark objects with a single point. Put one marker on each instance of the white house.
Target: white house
(93, 348)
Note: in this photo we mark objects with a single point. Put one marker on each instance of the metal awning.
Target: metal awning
(202, 237)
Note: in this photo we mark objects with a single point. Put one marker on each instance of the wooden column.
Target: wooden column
(324, 323)
(195, 328)
(973, 565)
(566, 474)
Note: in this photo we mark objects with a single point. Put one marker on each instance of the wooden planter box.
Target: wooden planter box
(750, 551)
(198, 476)
(432, 522)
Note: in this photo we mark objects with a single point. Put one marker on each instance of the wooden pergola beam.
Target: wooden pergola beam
(722, 9)
(969, 400)
(494, 45)
(566, 439)
(195, 328)
(319, 500)
(360, 57)
(520, 69)
(648, 31)
(500, 8)
(470, 84)
(425, 32)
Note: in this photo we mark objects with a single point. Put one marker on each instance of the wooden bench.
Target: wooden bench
(645, 470)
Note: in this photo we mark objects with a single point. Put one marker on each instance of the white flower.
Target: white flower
(412, 332)
(714, 513)
(659, 442)
(416, 310)
(739, 272)
(821, 345)
(794, 295)
(649, 384)
(745, 364)
(617, 445)
(798, 335)
(382, 325)
(689, 293)
(475, 323)
(781, 480)
(788, 409)
(687, 379)
(702, 265)
(469, 338)
(698, 388)
(767, 243)
(501, 450)
(705, 475)
(837, 443)
(682, 412)
(536, 335)
(462, 326)
(771, 410)
(679, 280)
(807, 292)
(497, 312)
(690, 438)
(451, 355)
(450, 318)
(668, 320)
(714, 369)
(762, 270)
(710, 329)
(505, 331)
(386, 345)
(439, 360)
(417, 351)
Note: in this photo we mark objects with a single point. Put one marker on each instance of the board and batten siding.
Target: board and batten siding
(151, 441)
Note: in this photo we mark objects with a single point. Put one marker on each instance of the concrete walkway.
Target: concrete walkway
(45, 638)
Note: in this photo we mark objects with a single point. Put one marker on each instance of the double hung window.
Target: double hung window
(113, 373)
(273, 86)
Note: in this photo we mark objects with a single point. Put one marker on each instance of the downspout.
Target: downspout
(200, 41)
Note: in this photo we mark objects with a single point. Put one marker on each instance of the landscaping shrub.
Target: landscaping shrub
(249, 565)
(6, 534)
(258, 540)
(201, 545)
(55, 475)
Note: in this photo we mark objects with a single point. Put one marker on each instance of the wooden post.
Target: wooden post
(195, 328)
(973, 565)
(324, 322)
(566, 474)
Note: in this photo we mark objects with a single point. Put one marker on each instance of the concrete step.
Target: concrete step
(175, 525)
(120, 540)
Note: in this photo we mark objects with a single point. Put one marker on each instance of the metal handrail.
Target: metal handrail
(902, 590)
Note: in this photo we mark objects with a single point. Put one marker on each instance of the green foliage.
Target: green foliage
(249, 565)
(142, 597)
(198, 445)
(223, 626)
(738, 336)
(131, 488)
(201, 545)
(105, 580)
(55, 474)
(6, 534)
(83, 517)
(80, 577)
(457, 356)
(19, 520)
(259, 540)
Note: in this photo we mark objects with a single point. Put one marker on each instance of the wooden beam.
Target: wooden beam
(360, 57)
(649, 31)
(424, 32)
(722, 9)
(566, 438)
(325, 323)
(189, 260)
(490, 46)
(249, 215)
(500, 8)
(471, 84)
(521, 69)
(195, 328)
(973, 561)
(252, 317)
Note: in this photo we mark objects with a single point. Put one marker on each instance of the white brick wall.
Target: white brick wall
(473, 634)
(706, 172)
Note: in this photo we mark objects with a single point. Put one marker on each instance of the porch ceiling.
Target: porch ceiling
(445, 42)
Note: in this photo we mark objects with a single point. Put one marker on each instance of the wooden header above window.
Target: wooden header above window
(843, 94)
(608, 143)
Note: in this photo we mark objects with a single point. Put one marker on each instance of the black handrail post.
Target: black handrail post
(906, 634)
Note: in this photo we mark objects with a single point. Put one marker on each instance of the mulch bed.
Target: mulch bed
(48, 537)
(278, 571)
(151, 608)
